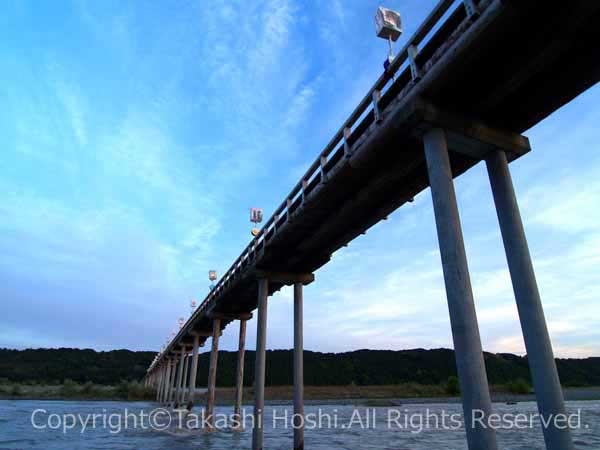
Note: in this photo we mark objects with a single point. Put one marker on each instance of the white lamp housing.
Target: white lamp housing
(388, 24)
(256, 215)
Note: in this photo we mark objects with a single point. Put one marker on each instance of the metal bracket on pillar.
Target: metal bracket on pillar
(415, 71)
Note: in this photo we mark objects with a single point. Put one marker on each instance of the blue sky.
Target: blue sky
(136, 135)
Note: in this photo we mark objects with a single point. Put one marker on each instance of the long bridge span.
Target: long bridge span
(473, 77)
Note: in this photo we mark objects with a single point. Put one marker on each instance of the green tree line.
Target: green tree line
(361, 367)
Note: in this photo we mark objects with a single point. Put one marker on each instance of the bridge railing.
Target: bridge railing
(408, 63)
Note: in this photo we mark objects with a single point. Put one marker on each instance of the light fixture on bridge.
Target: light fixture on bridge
(256, 217)
(212, 276)
(388, 25)
(181, 321)
(193, 305)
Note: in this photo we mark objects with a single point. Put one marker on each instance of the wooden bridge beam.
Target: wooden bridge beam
(287, 278)
(229, 316)
(468, 135)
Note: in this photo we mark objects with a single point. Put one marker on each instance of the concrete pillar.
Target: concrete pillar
(298, 369)
(531, 314)
(163, 379)
(239, 385)
(167, 382)
(173, 384)
(465, 329)
(194, 372)
(259, 375)
(212, 371)
(184, 385)
(181, 398)
(179, 376)
(159, 383)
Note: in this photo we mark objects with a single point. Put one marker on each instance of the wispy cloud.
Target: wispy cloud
(136, 138)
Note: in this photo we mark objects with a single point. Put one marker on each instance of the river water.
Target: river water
(61, 425)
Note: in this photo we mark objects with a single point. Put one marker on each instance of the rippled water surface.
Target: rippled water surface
(18, 432)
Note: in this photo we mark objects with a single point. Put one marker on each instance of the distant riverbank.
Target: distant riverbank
(387, 395)
(393, 395)
(70, 390)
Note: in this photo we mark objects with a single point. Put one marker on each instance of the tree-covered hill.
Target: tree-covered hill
(361, 367)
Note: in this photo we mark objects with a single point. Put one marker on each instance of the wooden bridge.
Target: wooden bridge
(474, 76)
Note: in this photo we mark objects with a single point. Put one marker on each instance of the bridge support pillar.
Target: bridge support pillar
(259, 375)
(184, 384)
(179, 377)
(159, 382)
(531, 314)
(163, 381)
(173, 385)
(465, 329)
(167, 382)
(239, 386)
(298, 368)
(212, 372)
(194, 370)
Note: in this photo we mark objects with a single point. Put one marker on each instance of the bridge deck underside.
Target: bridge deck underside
(514, 66)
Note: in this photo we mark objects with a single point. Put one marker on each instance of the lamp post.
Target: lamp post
(256, 217)
(212, 276)
(388, 26)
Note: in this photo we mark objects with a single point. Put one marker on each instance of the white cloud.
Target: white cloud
(126, 185)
